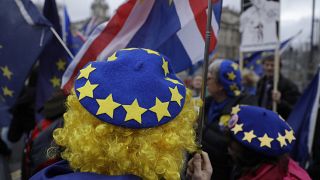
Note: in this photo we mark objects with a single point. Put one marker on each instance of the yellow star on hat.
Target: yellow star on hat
(7, 91)
(231, 76)
(237, 128)
(173, 81)
(175, 95)
(87, 90)
(289, 136)
(149, 51)
(165, 67)
(234, 66)
(281, 140)
(235, 109)
(61, 64)
(86, 72)
(161, 109)
(234, 87)
(134, 111)
(113, 57)
(248, 136)
(265, 140)
(6, 72)
(107, 106)
(55, 81)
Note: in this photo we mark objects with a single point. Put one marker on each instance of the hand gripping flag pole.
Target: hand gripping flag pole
(204, 75)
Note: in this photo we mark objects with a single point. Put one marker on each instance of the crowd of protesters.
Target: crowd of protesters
(234, 139)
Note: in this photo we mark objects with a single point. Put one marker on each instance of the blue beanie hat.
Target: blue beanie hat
(230, 78)
(133, 88)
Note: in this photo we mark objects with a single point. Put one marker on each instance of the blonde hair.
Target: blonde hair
(94, 146)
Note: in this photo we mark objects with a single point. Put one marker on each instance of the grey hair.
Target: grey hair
(215, 67)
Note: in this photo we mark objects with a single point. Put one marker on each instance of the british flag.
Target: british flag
(176, 28)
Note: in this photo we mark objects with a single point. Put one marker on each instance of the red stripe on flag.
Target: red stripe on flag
(199, 12)
(102, 41)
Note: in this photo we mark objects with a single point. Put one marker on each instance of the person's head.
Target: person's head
(128, 115)
(258, 136)
(268, 66)
(197, 82)
(224, 79)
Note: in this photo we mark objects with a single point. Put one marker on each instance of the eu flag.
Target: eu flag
(303, 120)
(24, 33)
(53, 60)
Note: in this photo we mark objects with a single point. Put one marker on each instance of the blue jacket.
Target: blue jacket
(62, 171)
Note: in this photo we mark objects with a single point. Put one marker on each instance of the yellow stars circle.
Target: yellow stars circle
(235, 109)
(55, 81)
(165, 67)
(175, 95)
(237, 128)
(113, 57)
(87, 90)
(149, 51)
(6, 72)
(231, 76)
(7, 92)
(265, 141)
(107, 106)
(281, 140)
(86, 72)
(61, 65)
(161, 109)
(289, 136)
(134, 111)
(173, 81)
(248, 136)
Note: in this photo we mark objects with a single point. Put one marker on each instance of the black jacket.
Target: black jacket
(215, 142)
(289, 95)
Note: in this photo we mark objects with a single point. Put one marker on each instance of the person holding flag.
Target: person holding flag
(287, 94)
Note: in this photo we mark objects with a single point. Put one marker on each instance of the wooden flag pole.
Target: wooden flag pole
(241, 61)
(204, 75)
(276, 73)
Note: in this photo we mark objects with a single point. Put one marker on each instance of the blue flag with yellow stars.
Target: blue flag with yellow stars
(53, 60)
(253, 61)
(24, 33)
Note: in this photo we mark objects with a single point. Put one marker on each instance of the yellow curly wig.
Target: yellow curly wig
(92, 145)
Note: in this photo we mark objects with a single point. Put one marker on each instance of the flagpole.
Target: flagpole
(61, 42)
(204, 75)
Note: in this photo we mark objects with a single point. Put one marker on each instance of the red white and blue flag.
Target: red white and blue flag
(175, 28)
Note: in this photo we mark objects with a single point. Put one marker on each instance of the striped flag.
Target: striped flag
(176, 28)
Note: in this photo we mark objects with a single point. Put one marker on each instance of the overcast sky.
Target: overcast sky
(295, 14)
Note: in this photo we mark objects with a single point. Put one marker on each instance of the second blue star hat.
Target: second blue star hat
(133, 88)
(230, 77)
(261, 130)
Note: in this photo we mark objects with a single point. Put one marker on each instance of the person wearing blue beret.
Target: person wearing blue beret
(128, 117)
(225, 89)
(259, 145)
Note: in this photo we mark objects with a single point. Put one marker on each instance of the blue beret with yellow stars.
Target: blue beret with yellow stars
(230, 78)
(261, 130)
(133, 88)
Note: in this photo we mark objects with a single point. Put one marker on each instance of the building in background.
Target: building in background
(229, 35)
(296, 62)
